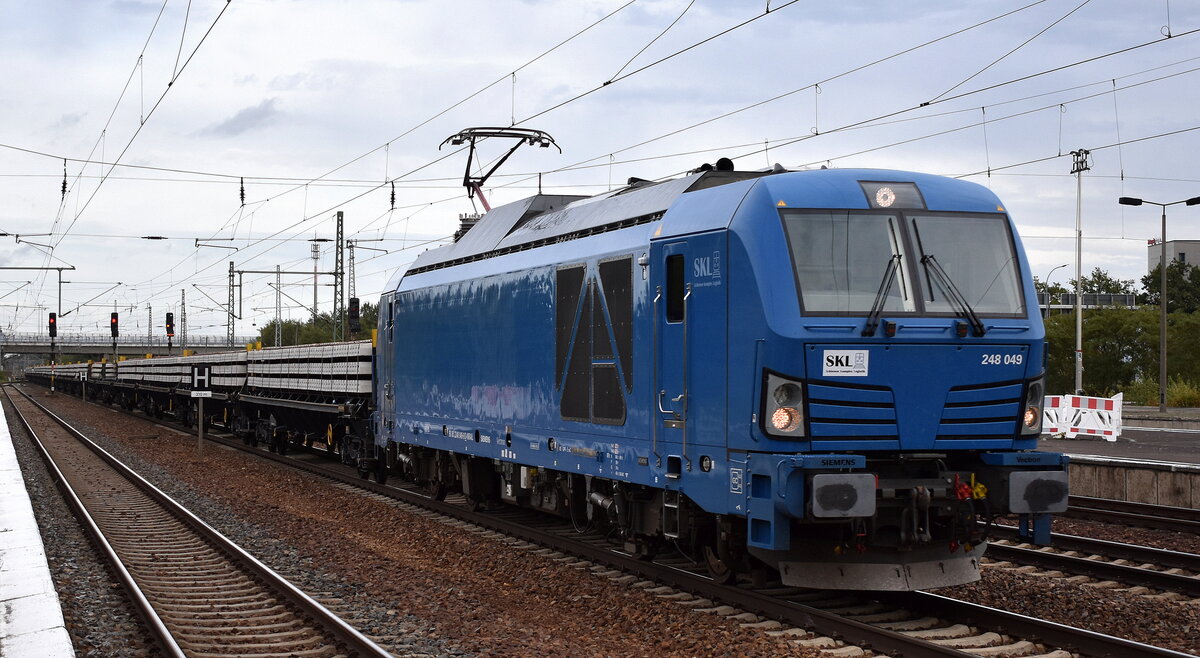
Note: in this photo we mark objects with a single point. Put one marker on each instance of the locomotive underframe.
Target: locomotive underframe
(927, 526)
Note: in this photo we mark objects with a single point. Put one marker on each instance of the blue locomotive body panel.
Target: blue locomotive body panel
(640, 337)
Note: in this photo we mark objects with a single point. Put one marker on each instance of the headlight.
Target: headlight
(783, 412)
(1031, 417)
(786, 419)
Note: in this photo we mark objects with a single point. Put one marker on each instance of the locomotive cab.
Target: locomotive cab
(897, 378)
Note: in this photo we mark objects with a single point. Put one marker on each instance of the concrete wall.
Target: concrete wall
(1177, 485)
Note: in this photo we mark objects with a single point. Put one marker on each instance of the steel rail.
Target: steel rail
(814, 619)
(1162, 517)
(1090, 643)
(154, 623)
(1132, 575)
(1111, 549)
(354, 641)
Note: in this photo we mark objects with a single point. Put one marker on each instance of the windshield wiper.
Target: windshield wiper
(885, 286)
(952, 293)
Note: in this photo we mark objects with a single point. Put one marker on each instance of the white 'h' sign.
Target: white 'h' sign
(201, 377)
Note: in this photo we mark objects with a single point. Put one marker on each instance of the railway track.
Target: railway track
(1143, 515)
(1163, 570)
(910, 624)
(198, 593)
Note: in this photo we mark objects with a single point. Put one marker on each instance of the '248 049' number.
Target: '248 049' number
(1005, 359)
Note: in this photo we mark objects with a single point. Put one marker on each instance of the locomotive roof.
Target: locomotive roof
(545, 218)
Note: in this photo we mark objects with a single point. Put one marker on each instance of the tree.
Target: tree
(1099, 281)
(1183, 287)
(1054, 289)
(295, 332)
(1120, 347)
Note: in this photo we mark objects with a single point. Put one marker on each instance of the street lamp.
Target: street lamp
(1162, 292)
(1046, 281)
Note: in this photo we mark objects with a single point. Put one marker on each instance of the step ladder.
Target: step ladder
(670, 513)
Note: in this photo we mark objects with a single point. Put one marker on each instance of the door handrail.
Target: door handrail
(686, 318)
(654, 366)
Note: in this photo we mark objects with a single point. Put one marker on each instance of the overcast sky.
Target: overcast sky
(283, 93)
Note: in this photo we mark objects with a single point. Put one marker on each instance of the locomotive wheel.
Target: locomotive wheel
(718, 555)
(721, 569)
(438, 490)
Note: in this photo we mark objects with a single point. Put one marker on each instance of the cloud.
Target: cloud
(246, 119)
(68, 120)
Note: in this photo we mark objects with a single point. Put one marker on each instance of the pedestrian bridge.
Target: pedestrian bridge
(101, 345)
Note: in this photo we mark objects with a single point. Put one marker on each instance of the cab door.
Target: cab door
(689, 293)
(385, 370)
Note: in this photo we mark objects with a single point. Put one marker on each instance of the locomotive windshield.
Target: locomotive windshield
(847, 262)
(976, 252)
(842, 259)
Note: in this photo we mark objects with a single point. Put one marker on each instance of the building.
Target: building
(1185, 251)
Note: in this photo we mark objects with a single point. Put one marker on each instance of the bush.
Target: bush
(1181, 393)
(1143, 392)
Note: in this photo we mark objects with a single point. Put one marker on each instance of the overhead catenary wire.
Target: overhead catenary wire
(643, 68)
(1025, 163)
(773, 145)
(301, 182)
(1006, 55)
(138, 130)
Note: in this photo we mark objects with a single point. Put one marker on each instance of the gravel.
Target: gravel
(1165, 623)
(445, 591)
(437, 589)
(99, 617)
(1165, 539)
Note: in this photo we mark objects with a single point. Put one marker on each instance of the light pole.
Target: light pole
(1162, 292)
(1046, 281)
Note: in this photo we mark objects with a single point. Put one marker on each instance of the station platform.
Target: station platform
(1140, 445)
(31, 619)
(1146, 435)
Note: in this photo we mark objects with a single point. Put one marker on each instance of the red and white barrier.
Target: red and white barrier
(1050, 414)
(1075, 415)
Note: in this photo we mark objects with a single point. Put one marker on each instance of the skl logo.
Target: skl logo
(845, 363)
(707, 266)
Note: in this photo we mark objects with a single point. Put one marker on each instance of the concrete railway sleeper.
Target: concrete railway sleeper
(174, 565)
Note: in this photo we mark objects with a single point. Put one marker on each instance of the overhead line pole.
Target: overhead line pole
(229, 324)
(339, 283)
(182, 320)
(57, 308)
(1079, 166)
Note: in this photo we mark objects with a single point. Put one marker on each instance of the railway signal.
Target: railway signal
(53, 325)
(170, 325)
(112, 324)
(353, 317)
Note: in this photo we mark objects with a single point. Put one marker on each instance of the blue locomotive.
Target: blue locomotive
(835, 374)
